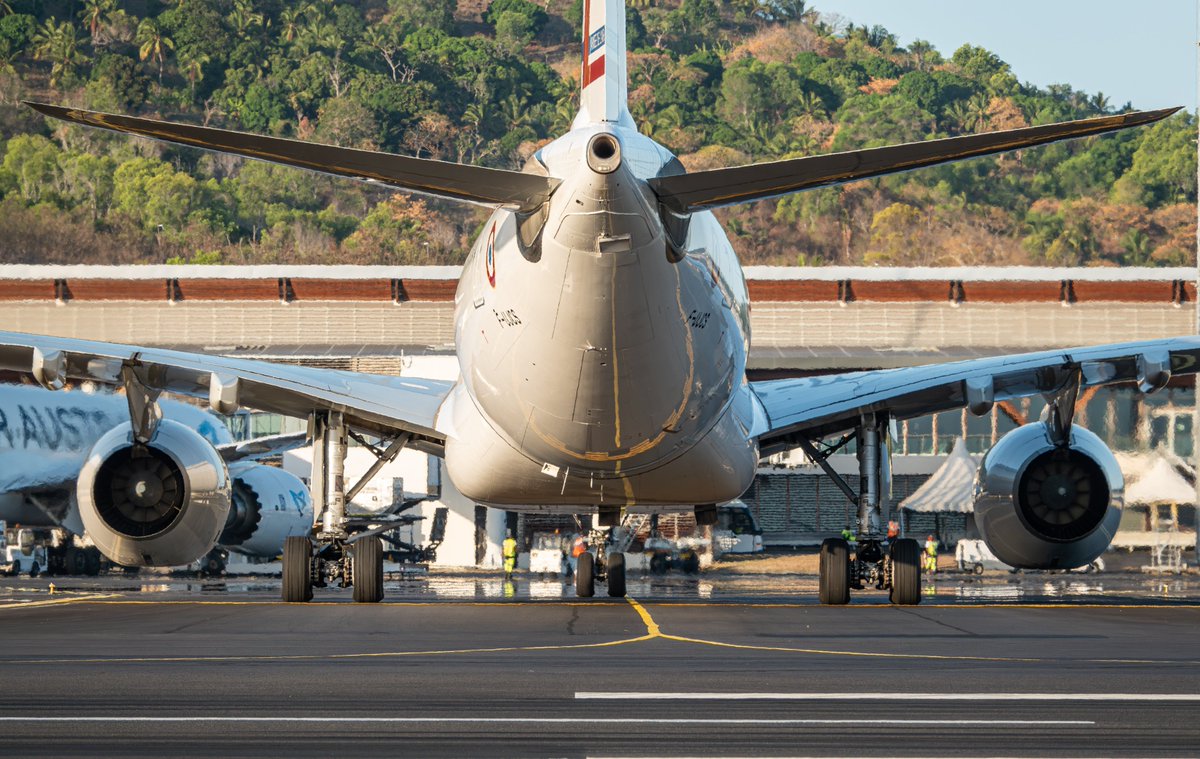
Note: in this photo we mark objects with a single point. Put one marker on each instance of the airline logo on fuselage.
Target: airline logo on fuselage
(489, 261)
(52, 428)
(596, 41)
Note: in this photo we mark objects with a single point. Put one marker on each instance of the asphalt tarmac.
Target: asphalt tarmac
(171, 667)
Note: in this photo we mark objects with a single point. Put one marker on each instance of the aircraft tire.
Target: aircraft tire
(834, 588)
(91, 561)
(616, 575)
(34, 570)
(297, 577)
(585, 575)
(368, 570)
(906, 573)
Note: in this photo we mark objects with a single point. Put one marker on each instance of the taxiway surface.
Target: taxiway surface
(110, 669)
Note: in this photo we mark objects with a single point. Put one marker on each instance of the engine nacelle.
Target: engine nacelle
(1039, 506)
(269, 505)
(163, 505)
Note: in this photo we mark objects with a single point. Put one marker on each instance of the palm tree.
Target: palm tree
(290, 19)
(812, 106)
(920, 50)
(243, 17)
(979, 109)
(94, 14)
(58, 43)
(192, 67)
(153, 44)
(959, 114)
(1101, 102)
(1137, 246)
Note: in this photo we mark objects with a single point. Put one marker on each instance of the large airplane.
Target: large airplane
(46, 438)
(601, 325)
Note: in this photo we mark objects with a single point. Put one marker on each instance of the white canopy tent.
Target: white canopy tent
(1159, 483)
(949, 489)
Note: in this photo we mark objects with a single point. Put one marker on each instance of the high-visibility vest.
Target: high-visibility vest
(510, 548)
(579, 548)
(931, 547)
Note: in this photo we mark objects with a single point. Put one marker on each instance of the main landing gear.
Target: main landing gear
(602, 566)
(898, 572)
(344, 551)
(873, 562)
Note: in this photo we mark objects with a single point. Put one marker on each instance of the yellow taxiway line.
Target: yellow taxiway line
(653, 631)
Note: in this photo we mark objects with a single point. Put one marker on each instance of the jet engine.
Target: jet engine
(1043, 506)
(162, 504)
(269, 505)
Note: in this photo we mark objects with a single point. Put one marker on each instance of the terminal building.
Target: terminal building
(399, 320)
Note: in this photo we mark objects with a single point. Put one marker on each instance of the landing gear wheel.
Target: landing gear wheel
(585, 575)
(297, 574)
(72, 561)
(835, 572)
(616, 575)
(34, 570)
(978, 569)
(91, 561)
(368, 570)
(214, 563)
(906, 572)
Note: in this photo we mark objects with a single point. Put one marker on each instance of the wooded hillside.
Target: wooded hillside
(721, 83)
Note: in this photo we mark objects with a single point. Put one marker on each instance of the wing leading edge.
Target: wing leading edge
(376, 403)
(813, 407)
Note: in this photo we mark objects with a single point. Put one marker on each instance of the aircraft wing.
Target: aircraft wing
(684, 193)
(375, 403)
(814, 407)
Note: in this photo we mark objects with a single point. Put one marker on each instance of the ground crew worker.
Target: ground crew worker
(893, 530)
(510, 555)
(847, 534)
(931, 549)
(578, 548)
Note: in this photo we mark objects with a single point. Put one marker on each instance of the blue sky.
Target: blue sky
(1144, 53)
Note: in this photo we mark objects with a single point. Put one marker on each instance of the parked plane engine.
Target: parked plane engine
(163, 504)
(1041, 506)
(269, 505)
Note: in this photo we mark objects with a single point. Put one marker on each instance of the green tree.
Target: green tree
(1164, 165)
(31, 163)
(429, 14)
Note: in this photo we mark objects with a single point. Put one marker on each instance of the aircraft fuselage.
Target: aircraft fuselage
(601, 365)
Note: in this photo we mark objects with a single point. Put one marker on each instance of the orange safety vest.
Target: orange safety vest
(579, 548)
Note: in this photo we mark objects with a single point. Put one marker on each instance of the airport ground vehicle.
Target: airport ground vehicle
(546, 553)
(21, 553)
(601, 329)
(975, 557)
(736, 530)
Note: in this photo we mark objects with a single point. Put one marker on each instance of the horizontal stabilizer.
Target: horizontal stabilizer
(475, 184)
(684, 193)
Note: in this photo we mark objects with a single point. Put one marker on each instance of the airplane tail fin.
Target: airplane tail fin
(604, 88)
(685, 193)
